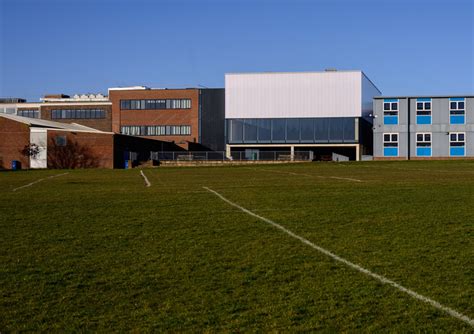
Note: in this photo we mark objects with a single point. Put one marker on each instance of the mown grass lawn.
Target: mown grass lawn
(96, 250)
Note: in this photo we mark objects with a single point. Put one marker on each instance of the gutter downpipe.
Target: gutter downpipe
(408, 128)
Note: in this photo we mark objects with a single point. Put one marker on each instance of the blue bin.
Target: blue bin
(127, 164)
(16, 165)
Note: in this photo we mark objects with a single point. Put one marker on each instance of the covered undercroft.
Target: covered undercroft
(311, 152)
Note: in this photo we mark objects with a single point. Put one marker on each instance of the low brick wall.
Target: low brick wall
(223, 163)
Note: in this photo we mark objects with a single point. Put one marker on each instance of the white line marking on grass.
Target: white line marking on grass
(38, 181)
(147, 183)
(378, 277)
(345, 178)
(309, 175)
(416, 169)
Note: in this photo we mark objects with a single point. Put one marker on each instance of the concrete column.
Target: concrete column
(292, 152)
(227, 151)
(358, 152)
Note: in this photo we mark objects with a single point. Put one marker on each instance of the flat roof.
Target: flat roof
(420, 96)
(296, 72)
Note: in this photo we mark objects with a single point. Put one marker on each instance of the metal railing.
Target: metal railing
(189, 156)
(250, 155)
(272, 155)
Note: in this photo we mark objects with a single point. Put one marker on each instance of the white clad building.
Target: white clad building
(322, 112)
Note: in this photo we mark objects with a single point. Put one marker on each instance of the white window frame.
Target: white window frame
(457, 107)
(424, 108)
(424, 138)
(391, 141)
(391, 106)
(457, 138)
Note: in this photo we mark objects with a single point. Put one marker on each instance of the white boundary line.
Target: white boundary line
(415, 169)
(309, 175)
(147, 183)
(38, 181)
(378, 277)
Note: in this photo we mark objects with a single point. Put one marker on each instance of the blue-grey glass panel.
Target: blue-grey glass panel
(236, 130)
(264, 130)
(349, 129)
(307, 129)
(278, 129)
(293, 129)
(321, 129)
(250, 130)
(336, 129)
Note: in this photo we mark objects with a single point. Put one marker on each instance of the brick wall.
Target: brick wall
(103, 124)
(157, 117)
(14, 136)
(99, 146)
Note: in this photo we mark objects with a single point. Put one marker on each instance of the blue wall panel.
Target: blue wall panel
(423, 151)
(456, 119)
(456, 151)
(390, 120)
(390, 151)
(423, 119)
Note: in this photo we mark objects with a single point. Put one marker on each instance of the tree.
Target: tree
(31, 151)
(70, 155)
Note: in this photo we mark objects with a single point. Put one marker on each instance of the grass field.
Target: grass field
(96, 250)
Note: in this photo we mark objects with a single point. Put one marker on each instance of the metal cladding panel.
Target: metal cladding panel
(369, 90)
(293, 95)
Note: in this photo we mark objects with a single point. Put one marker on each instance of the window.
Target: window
(124, 104)
(390, 144)
(423, 111)
(321, 130)
(264, 130)
(293, 130)
(28, 113)
(60, 140)
(150, 104)
(307, 129)
(336, 129)
(390, 111)
(156, 130)
(78, 114)
(457, 144)
(185, 130)
(457, 110)
(236, 130)
(423, 144)
(250, 130)
(278, 130)
(155, 104)
(160, 104)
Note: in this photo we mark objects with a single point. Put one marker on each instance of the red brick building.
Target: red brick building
(61, 145)
(92, 110)
(131, 121)
(192, 118)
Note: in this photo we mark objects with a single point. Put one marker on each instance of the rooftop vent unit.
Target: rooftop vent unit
(12, 100)
(56, 96)
(330, 69)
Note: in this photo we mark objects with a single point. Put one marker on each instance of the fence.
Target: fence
(248, 155)
(189, 156)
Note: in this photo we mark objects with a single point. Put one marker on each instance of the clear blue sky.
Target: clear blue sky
(71, 46)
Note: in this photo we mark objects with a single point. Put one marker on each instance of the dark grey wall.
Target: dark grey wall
(212, 118)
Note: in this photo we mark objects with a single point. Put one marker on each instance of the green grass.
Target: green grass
(95, 250)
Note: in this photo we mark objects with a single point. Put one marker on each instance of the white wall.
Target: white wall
(286, 95)
(40, 138)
